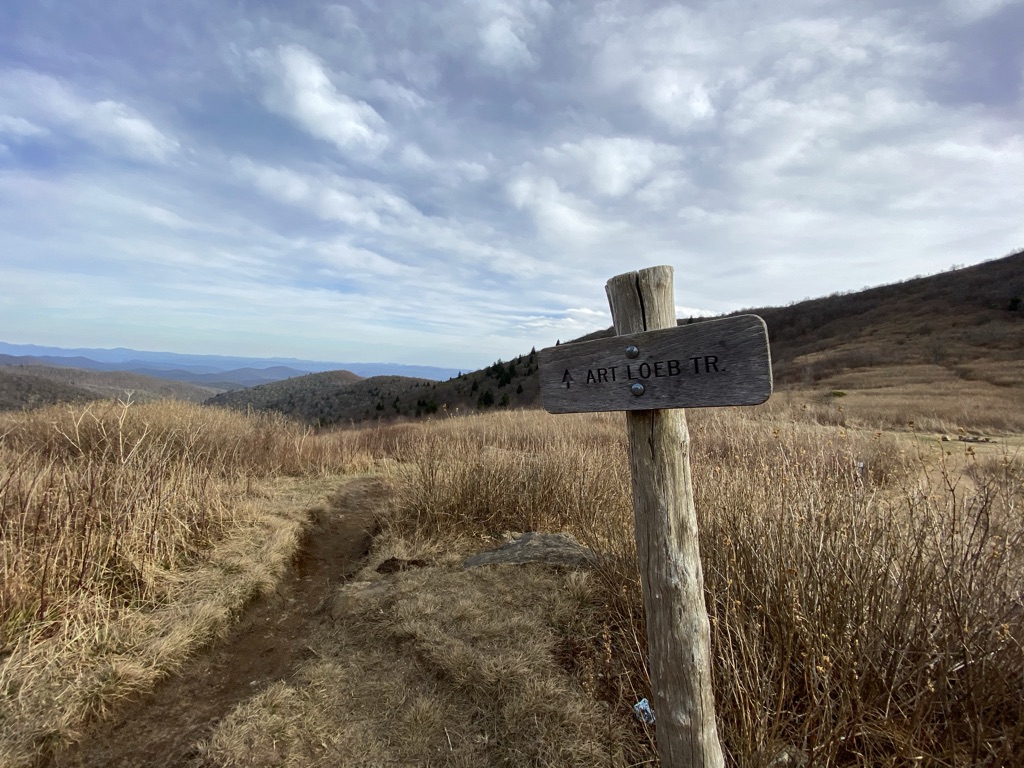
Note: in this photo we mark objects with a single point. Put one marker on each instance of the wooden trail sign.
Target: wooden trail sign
(723, 362)
(717, 362)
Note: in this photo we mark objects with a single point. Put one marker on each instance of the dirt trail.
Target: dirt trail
(162, 727)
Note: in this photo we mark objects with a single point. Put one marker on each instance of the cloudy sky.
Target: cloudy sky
(453, 182)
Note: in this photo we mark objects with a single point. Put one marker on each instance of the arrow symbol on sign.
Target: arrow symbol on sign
(567, 379)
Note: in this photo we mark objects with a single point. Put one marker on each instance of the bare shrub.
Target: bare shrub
(865, 600)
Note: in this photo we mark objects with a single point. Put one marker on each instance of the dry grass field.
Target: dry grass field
(129, 536)
(865, 591)
(865, 586)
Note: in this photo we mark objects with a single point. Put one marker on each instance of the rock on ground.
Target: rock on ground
(534, 547)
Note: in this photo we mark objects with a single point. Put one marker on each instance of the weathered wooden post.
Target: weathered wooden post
(651, 366)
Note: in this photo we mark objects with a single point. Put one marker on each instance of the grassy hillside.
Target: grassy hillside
(503, 384)
(969, 321)
(22, 388)
(949, 347)
(32, 385)
(317, 398)
(339, 397)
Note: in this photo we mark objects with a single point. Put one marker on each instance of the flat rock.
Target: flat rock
(534, 547)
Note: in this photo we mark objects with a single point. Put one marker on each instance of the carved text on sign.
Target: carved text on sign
(718, 362)
(658, 369)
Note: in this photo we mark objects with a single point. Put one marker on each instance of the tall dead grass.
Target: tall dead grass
(866, 595)
(920, 398)
(865, 599)
(107, 511)
(97, 502)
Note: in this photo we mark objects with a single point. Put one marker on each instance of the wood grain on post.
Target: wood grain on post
(678, 633)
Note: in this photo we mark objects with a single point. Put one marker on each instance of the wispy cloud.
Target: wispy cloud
(300, 88)
(33, 104)
(506, 29)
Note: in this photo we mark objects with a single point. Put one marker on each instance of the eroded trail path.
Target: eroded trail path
(267, 645)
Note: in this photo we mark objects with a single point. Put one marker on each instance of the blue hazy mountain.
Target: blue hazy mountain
(204, 369)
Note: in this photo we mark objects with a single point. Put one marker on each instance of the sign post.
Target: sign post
(652, 369)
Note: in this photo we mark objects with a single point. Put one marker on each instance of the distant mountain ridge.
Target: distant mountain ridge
(27, 386)
(219, 371)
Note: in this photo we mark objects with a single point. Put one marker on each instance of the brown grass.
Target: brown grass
(129, 534)
(865, 589)
(865, 600)
(970, 398)
(97, 503)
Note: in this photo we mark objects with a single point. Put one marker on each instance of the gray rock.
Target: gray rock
(533, 547)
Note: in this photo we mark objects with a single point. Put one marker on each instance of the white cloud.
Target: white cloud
(565, 323)
(614, 166)
(301, 89)
(19, 127)
(506, 29)
(659, 61)
(372, 210)
(561, 218)
(342, 258)
(682, 311)
(472, 170)
(326, 198)
(36, 104)
(120, 123)
(451, 172)
(502, 47)
(975, 10)
(677, 97)
(160, 215)
(397, 94)
(414, 157)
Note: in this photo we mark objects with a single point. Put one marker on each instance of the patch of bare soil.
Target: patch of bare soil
(268, 645)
